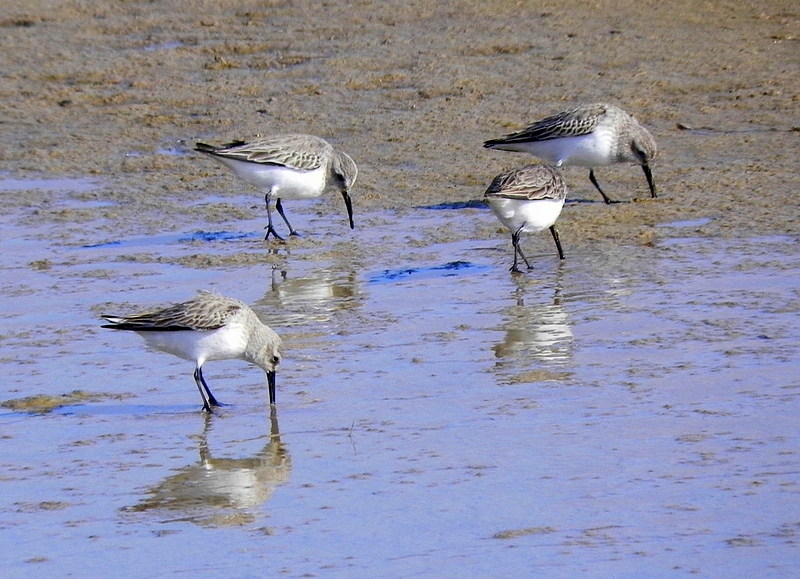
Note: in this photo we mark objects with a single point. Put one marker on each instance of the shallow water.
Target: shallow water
(630, 409)
(628, 412)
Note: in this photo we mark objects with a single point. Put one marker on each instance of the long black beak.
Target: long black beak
(271, 384)
(649, 175)
(349, 207)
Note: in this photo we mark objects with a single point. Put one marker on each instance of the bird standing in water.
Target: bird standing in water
(591, 136)
(207, 327)
(288, 167)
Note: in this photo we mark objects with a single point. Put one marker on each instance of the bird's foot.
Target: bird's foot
(271, 230)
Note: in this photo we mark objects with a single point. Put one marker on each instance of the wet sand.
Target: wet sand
(630, 411)
(121, 92)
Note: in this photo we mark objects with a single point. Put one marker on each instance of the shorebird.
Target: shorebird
(207, 327)
(527, 200)
(591, 136)
(288, 167)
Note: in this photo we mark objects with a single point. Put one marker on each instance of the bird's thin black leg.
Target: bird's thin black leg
(522, 255)
(279, 207)
(270, 228)
(198, 377)
(211, 399)
(592, 178)
(554, 231)
(518, 250)
(514, 268)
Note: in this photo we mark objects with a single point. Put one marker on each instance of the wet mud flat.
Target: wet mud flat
(629, 411)
(630, 408)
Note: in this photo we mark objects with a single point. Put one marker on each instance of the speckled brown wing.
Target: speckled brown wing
(573, 123)
(528, 183)
(299, 152)
(204, 312)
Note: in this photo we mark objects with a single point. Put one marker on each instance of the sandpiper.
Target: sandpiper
(288, 167)
(208, 327)
(591, 136)
(527, 200)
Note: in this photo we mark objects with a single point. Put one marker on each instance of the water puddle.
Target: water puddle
(170, 45)
(453, 268)
(157, 240)
(688, 223)
(471, 204)
(74, 184)
(607, 405)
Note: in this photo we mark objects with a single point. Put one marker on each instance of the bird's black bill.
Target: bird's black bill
(271, 384)
(649, 175)
(349, 206)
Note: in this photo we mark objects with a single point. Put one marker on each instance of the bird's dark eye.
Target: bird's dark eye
(276, 360)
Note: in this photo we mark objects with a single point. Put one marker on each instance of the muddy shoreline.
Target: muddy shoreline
(120, 92)
(628, 411)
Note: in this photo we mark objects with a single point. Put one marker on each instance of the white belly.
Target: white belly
(226, 343)
(531, 216)
(280, 181)
(592, 150)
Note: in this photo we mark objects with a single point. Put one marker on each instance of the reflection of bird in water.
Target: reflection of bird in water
(216, 487)
(314, 298)
(541, 330)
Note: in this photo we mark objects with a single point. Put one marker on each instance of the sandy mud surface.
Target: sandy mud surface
(630, 411)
